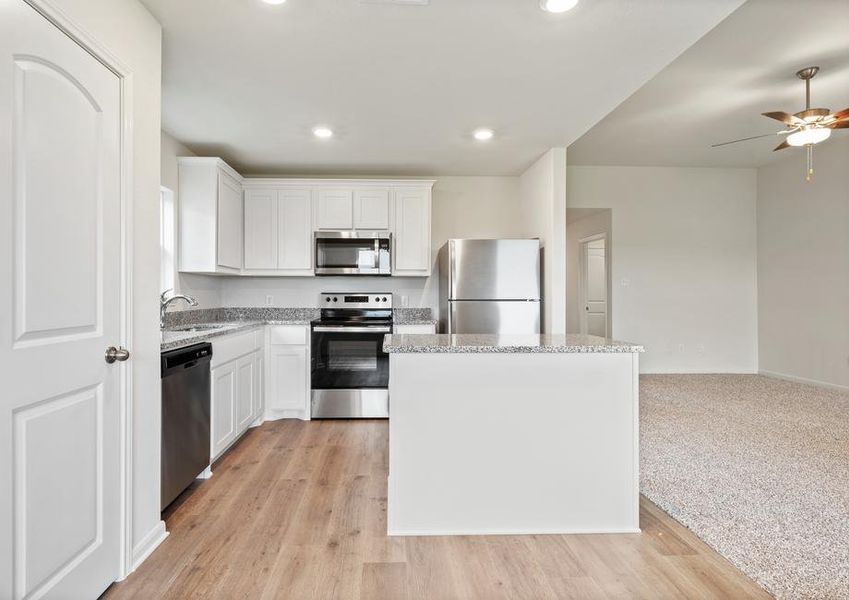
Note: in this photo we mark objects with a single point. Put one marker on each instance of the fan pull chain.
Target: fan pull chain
(810, 172)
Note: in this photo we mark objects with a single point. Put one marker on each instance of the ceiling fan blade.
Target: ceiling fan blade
(784, 117)
(754, 137)
(840, 114)
(839, 124)
(781, 146)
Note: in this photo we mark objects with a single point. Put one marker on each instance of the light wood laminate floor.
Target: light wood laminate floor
(298, 510)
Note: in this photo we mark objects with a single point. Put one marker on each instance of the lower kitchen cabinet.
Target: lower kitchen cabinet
(288, 394)
(237, 387)
(223, 407)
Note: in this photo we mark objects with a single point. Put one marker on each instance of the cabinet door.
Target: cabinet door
(259, 385)
(229, 222)
(371, 209)
(294, 226)
(246, 380)
(261, 235)
(412, 232)
(335, 209)
(223, 399)
(288, 377)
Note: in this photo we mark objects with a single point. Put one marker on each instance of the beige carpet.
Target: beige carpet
(759, 469)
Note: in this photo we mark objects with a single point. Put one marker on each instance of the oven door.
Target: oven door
(352, 253)
(349, 357)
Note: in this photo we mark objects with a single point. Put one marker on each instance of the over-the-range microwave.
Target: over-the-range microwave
(353, 253)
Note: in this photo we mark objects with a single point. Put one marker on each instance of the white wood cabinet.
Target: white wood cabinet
(265, 227)
(278, 231)
(261, 229)
(210, 201)
(294, 231)
(372, 209)
(223, 398)
(334, 209)
(288, 372)
(237, 388)
(412, 236)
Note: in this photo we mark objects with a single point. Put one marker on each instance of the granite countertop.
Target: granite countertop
(516, 344)
(215, 322)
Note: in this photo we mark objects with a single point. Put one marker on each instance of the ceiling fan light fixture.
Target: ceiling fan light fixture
(814, 135)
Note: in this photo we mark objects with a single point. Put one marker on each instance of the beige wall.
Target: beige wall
(803, 266)
(542, 195)
(683, 262)
(583, 223)
(130, 33)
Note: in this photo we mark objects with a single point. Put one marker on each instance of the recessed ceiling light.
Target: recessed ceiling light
(483, 134)
(274, 1)
(557, 6)
(322, 132)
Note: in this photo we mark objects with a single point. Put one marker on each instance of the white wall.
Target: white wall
(578, 227)
(684, 262)
(206, 289)
(132, 35)
(542, 193)
(803, 266)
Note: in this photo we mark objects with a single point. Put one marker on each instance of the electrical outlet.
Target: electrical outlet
(405, 301)
(269, 300)
(700, 348)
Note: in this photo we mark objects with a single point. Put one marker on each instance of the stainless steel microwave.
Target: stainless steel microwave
(353, 253)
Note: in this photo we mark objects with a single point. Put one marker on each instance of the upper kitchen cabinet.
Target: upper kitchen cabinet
(335, 209)
(343, 209)
(412, 238)
(278, 229)
(210, 200)
(372, 209)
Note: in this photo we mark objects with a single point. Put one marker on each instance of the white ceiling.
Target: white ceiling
(404, 86)
(717, 90)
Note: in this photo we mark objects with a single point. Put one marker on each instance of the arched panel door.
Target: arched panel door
(60, 253)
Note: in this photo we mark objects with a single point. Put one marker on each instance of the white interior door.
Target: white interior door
(60, 280)
(594, 287)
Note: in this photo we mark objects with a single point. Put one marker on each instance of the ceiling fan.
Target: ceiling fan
(805, 128)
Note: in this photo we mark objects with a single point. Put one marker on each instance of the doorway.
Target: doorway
(593, 278)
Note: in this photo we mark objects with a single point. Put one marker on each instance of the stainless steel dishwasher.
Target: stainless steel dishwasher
(185, 418)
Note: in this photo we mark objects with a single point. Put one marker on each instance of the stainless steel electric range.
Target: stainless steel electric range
(350, 370)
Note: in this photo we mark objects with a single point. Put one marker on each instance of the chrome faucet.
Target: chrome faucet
(164, 301)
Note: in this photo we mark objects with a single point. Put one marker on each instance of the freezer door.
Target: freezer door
(502, 317)
(494, 270)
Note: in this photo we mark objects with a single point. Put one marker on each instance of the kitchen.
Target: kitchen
(301, 301)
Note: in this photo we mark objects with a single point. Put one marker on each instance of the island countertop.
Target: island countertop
(511, 343)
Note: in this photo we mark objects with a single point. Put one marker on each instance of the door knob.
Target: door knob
(119, 354)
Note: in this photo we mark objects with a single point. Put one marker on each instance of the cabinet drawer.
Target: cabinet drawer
(290, 334)
(231, 347)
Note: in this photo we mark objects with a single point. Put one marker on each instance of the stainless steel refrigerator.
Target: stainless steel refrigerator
(490, 286)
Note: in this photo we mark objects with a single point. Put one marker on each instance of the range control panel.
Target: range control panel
(358, 300)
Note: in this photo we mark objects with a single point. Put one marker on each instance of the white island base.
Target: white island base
(496, 442)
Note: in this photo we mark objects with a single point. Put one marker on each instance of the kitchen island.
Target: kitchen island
(512, 434)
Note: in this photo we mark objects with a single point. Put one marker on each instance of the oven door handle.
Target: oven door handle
(322, 329)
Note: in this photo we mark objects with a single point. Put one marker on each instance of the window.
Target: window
(167, 237)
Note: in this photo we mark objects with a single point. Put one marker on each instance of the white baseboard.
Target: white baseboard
(795, 379)
(699, 372)
(439, 532)
(148, 544)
